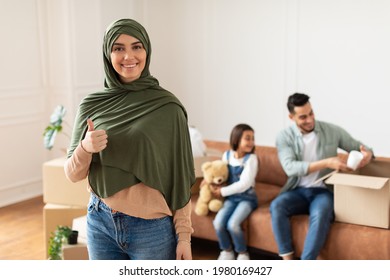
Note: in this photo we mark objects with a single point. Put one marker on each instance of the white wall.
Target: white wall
(22, 101)
(228, 61)
(225, 60)
(344, 63)
(237, 61)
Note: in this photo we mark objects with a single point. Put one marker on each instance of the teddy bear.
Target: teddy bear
(214, 172)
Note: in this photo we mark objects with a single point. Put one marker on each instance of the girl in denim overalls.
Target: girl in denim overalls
(239, 195)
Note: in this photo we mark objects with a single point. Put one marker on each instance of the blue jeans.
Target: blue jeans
(117, 236)
(227, 222)
(318, 203)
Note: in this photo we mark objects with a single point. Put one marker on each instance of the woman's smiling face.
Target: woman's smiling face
(128, 57)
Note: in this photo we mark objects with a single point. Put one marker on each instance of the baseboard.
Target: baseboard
(20, 192)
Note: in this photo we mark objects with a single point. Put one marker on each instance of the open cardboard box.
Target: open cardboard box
(363, 196)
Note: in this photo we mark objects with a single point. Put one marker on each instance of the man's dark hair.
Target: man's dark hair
(296, 99)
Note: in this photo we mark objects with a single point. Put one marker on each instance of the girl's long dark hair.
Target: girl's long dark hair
(236, 134)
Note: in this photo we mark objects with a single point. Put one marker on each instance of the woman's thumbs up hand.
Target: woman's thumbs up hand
(90, 124)
(94, 140)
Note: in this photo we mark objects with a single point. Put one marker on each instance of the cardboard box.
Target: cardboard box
(55, 215)
(58, 189)
(363, 197)
(75, 252)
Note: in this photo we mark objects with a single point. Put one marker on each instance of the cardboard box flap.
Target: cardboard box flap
(361, 181)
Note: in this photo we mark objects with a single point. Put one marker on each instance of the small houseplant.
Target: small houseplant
(60, 236)
(55, 126)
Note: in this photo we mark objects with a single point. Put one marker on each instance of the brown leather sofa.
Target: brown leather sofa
(345, 241)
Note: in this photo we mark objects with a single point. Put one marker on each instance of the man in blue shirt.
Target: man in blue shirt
(307, 151)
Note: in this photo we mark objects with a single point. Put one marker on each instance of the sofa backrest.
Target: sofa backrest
(270, 169)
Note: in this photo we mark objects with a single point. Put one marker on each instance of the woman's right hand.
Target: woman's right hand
(94, 140)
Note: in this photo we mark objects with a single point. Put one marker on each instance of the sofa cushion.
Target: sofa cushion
(266, 192)
(345, 241)
(356, 242)
(260, 234)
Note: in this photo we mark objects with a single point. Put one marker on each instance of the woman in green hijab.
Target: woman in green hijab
(132, 142)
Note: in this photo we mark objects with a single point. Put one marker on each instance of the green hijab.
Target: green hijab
(148, 137)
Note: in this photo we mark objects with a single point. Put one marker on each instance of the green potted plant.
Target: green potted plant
(62, 235)
(55, 126)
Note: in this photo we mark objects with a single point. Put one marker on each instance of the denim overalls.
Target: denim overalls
(234, 176)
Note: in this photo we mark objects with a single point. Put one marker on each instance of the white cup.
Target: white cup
(354, 159)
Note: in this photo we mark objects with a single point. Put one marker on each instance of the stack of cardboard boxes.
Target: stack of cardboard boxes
(64, 203)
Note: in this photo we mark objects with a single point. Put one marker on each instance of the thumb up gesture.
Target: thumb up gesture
(94, 140)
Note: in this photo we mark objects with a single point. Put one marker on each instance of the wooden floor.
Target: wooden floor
(22, 238)
(21, 231)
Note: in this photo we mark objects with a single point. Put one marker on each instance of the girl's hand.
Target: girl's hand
(216, 190)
